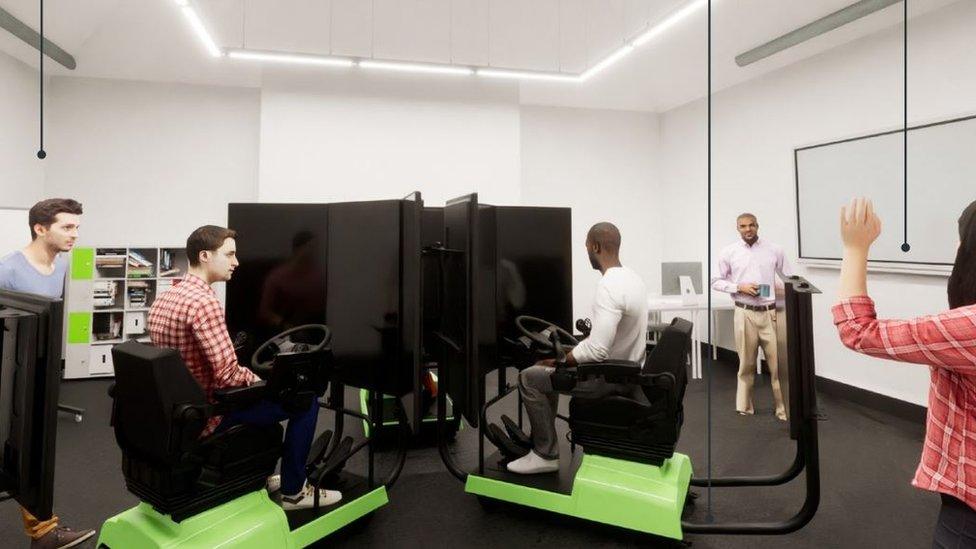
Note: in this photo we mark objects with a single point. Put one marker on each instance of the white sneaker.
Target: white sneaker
(532, 463)
(274, 483)
(306, 498)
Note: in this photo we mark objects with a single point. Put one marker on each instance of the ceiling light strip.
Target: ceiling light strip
(648, 34)
(528, 75)
(198, 27)
(668, 22)
(290, 58)
(416, 67)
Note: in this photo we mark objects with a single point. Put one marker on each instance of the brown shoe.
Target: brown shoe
(61, 538)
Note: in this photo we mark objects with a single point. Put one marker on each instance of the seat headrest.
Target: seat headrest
(150, 382)
(671, 350)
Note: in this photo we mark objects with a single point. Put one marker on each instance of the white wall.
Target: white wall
(602, 164)
(151, 162)
(341, 145)
(21, 172)
(848, 91)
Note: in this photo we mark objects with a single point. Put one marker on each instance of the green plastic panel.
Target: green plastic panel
(82, 263)
(79, 327)
(250, 521)
(622, 493)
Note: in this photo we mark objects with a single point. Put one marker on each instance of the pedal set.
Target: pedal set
(511, 441)
(333, 464)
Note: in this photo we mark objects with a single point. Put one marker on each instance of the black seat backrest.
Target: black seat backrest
(150, 384)
(671, 355)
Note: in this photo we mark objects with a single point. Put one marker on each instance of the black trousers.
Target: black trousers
(956, 527)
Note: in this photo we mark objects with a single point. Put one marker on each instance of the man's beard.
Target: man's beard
(593, 262)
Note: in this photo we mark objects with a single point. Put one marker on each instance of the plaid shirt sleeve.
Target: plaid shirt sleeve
(210, 331)
(946, 340)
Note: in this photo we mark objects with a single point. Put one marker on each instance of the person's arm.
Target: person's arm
(946, 340)
(606, 316)
(782, 264)
(210, 331)
(720, 279)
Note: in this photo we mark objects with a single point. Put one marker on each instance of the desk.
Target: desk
(698, 309)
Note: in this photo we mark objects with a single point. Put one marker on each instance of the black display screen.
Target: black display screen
(281, 280)
(369, 312)
(534, 273)
(460, 355)
(30, 374)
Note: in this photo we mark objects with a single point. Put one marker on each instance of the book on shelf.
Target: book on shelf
(139, 260)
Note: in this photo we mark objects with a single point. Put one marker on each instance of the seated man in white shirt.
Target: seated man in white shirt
(619, 333)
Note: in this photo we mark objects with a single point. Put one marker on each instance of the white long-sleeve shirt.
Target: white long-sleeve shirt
(619, 319)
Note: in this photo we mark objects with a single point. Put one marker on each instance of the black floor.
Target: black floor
(867, 461)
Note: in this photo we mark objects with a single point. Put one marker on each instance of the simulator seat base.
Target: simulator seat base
(631, 495)
(225, 466)
(623, 428)
(251, 521)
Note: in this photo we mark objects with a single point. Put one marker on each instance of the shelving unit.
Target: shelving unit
(109, 293)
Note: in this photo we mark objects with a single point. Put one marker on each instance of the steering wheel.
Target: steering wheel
(540, 331)
(293, 340)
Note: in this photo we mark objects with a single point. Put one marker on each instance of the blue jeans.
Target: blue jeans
(298, 437)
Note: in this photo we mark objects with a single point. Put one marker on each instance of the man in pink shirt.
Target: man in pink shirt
(747, 270)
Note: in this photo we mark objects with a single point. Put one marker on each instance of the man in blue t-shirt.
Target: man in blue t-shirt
(40, 269)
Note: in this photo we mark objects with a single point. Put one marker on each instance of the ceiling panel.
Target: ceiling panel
(604, 29)
(524, 35)
(287, 25)
(224, 20)
(413, 30)
(572, 30)
(352, 28)
(469, 32)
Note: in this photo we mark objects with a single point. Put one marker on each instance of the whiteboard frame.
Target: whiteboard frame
(904, 267)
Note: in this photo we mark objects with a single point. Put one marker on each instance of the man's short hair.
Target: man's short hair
(206, 239)
(747, 214)
(45, 212)
(606, 235)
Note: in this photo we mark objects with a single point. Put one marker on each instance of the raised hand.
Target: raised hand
(859, 225)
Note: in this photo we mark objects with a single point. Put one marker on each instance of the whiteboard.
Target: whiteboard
(941, 183)
(14, 232)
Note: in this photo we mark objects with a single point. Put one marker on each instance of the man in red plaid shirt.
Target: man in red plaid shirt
(190, 318)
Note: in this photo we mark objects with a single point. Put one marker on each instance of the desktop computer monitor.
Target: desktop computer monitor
(30, 375)
(671, 273)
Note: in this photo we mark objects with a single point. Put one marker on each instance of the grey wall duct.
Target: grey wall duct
(29, 35)
(828, 23)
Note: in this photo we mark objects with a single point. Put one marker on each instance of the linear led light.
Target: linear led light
(825, 24)
(432, 68)
(607, 61)
(668, 22)
(528, 75)
(202, 34)
(415, 67)
(290, 58)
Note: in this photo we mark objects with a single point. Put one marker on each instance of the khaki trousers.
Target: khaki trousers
(752, 329)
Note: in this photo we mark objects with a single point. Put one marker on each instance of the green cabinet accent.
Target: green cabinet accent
(79, 327)
(82, 263)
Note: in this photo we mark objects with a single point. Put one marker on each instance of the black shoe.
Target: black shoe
(61, 538)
